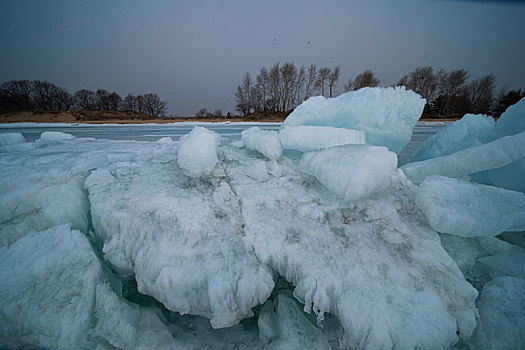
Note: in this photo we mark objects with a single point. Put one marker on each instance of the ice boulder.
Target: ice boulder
(11, 138)
(387, 115)
(468, 209)
(55, 136)
(512, 120)
(351, 171)
(197, 154)
(182, 242)
(492, 155)
(314, 138)
(262, 141)
(56, 294)
(470, 131)
(501, 310)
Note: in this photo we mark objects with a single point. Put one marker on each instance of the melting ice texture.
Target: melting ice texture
(208, 232)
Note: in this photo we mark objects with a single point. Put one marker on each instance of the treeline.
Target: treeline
(26, 95)
(281, 88)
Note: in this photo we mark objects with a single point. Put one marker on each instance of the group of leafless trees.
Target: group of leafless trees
(282, 87)
(24, 95)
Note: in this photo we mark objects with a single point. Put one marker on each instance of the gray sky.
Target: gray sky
(194, 53)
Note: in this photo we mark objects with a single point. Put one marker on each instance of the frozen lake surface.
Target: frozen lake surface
(153, 132)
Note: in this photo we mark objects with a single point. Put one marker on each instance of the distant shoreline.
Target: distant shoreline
(105, 117)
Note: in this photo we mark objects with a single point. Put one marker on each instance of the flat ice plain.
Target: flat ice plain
(117, 244)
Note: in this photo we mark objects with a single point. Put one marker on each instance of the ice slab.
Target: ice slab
(468, 209)
(387, 115)
(470, 131)
(351, 171)
(501, 310)
(512, 121)
(11, 138)
(197, 154)
(495, 154)
(55, 136)
(262, 141)
(180, 237)
(314, 138)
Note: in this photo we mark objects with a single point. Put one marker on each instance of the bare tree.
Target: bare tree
(263, 81)
(85, 99)
(16, 95)
(367, 78)
(201, 113)
(128, 104)
(114, 101)
(139, 104)
(301, 77)
(322, 79)
(481, 92)
(349, 85)
(332, 80)
(154, 105)
(275, 87)
(103, 99)
(50, 97)
(217, 113)
(288, 76)
(454, 87)
(310, 82)
(423, 81)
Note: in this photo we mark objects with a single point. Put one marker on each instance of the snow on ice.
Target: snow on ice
(202, 243)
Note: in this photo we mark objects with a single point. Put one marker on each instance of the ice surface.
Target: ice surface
(11, 138)
(262, 141)
(213, 246)
(351, 171)
(468, 209)
(198, 152)
(181, 239)
(470, 131)
(495, 154)
(501, 310)
(387, 115)
(512, 121)
(314, 138)
(55, 136)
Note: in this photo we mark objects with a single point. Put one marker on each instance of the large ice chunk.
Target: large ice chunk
(351, 171)
(512, 120)
(262, 141)
(491, 155)
(468, 209)
(180, 237)
(55, 136)
(471, 130)
(387, 115)
(314, 138)
(501, 310)
(56, 294)
(11, 138)
(197, 154)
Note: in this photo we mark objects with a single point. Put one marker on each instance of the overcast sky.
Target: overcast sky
(194, 53)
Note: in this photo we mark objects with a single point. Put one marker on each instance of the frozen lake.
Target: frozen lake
(153, 132)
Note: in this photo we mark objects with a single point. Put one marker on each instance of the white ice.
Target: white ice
(11, 138)
(468, 209)
(55, 136)
(387, 115)
(262, 141)
(512, 121)
(470, 131)
(314, 138)
(501, 310)
(351, 171)
(492, 155)
(197, 155)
